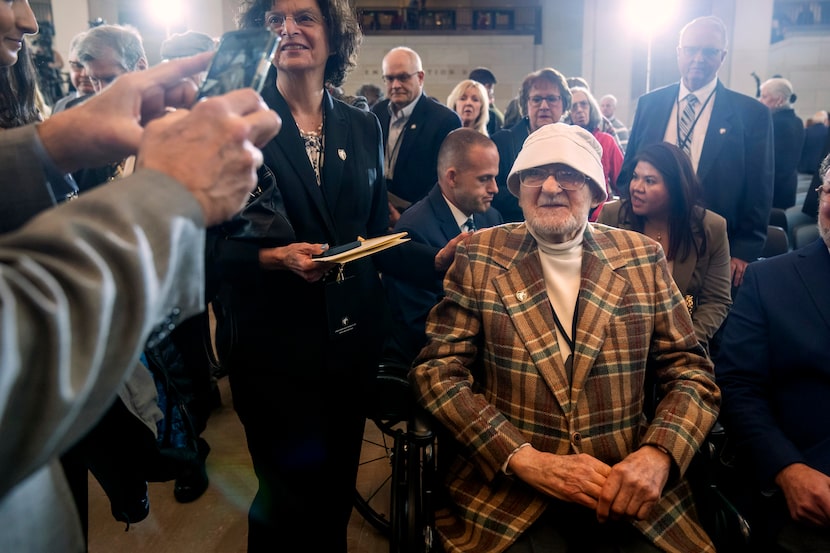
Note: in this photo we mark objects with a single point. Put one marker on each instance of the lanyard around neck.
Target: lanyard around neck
(571, 340)
(681, 143)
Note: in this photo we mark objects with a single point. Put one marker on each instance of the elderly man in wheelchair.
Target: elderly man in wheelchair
(537, 366)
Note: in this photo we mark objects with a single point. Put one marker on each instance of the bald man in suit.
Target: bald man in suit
(728, 138)
(413, 125)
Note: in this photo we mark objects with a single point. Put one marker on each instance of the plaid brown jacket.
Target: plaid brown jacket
(492, 374)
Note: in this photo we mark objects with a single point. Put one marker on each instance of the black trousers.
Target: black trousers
(304, 428)
(569, 528)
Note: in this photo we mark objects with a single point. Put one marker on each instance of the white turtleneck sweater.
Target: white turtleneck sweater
(562, 268)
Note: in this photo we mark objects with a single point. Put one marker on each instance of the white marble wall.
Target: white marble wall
(804, 61)
(591, 39)
(72, 16)
(449, 60)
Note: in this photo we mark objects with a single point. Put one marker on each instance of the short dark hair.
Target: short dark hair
(483, 76)
(344, 33)
(547, 74)
(455, 148)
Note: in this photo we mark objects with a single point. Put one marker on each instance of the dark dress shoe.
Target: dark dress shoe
(133, 509)
(193, 481)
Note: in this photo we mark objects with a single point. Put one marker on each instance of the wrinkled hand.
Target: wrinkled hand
(738, 267)
(109, 126)
(444, 257)
(634, 485)
(807, 492)
(575, 478)
(212, 149)
(297, 259)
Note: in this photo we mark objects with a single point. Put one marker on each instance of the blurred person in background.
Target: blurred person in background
(788, 136)
(469, 100)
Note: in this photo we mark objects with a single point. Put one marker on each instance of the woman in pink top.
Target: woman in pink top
(585, 113)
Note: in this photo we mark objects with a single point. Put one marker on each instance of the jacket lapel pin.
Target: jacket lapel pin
(722, 131)
(413, 126)
(521, 296)
(341, 153)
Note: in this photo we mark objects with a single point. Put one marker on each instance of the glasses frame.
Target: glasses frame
(822, 192)
(564, 184)
(402, 78)
(707, 52)
(313, 20)
(536, 101)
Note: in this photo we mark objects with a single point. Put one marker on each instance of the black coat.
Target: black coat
(509, 143)
(788, 133)
(276, 319)
(416, 168)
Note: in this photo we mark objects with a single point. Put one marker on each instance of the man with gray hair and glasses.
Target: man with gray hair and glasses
(727, 135)
(414, 126)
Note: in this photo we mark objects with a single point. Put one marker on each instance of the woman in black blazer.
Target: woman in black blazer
(301, 338)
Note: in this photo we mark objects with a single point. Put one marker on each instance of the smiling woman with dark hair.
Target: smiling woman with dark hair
(298, 374)
(665, 205)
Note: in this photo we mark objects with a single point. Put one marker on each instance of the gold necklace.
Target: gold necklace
(658, 235)
(317, 132)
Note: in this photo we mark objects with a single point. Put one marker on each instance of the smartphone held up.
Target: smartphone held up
(242, 60)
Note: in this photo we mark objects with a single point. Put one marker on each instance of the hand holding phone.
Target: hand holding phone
(339, 249)
(241, 61)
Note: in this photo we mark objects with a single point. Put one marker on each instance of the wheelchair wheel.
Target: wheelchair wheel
(413, 476)
(388, 412)
(373, 489)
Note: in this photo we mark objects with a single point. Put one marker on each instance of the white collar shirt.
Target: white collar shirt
(705, 100)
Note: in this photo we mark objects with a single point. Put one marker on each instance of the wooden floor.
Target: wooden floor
(217, 521)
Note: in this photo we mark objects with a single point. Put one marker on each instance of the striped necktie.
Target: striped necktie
(469, 224)
(686, 126)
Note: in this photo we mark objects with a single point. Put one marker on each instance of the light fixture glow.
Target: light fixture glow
(167, 12)
(647, 18)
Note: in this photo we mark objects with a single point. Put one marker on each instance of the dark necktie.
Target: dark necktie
(469, 224)
(686, 126)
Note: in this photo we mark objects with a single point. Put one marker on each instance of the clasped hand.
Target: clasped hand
(627, 490)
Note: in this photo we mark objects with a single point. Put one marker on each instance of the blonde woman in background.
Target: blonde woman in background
(469, 100)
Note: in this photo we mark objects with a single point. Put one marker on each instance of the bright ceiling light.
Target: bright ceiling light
(167, 12)
(649, 16)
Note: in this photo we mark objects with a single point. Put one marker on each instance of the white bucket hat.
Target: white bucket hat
(570, 145)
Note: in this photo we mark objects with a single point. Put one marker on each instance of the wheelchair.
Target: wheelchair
(396, 483)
